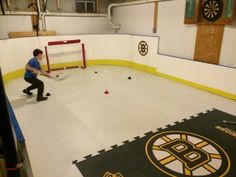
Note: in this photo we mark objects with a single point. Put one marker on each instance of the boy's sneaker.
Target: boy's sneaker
(27, 92)
(42, 98)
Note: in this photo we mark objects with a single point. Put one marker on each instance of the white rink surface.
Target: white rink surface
(78, 119)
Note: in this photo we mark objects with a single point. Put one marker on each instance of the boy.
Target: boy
(33, 68)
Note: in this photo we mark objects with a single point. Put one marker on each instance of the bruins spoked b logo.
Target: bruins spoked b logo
(143, 48)
(180, 154)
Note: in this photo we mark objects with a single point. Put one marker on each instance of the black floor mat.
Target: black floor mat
(201, 146)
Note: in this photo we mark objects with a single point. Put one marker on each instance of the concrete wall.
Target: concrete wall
(66, 5)
(228, 52)
(177, 39)
(62, 25)
(14, 23)
(77, 25)
(136, 19)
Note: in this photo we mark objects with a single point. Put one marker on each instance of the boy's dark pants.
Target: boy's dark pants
(36, 84)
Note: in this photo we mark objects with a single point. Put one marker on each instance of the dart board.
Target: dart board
(212, 10)
(143, 48)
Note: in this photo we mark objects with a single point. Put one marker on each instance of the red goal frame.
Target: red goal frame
(64, 42)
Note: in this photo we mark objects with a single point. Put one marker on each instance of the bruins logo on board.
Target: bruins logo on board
(143, 48)
(182, 154)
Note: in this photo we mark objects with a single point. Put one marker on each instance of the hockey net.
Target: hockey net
(65, 54)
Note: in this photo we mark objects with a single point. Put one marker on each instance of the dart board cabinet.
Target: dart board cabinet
(220, 12)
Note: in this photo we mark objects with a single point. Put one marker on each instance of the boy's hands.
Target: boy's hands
(42, 72)
(35, 71)
(45, 73)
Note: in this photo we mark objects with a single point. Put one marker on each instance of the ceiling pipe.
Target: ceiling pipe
(38, 7)
(97, 2)
(2, 7)
(23, 13)
(44, 22)
(45, 6)
(75, 14)
(8, 3)
(39, 17)
(118, 26)
(58, 5)
(29, 13)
